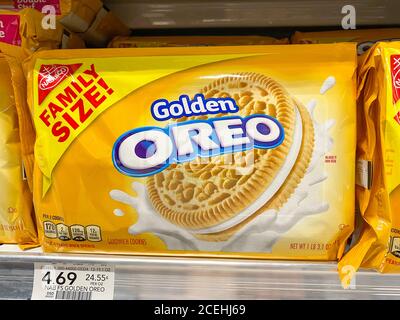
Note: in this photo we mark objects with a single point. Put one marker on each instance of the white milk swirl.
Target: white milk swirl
(261, 233)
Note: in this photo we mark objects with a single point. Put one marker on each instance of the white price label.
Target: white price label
(60, 281)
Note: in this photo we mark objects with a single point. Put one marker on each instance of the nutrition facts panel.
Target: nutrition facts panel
(91, 233)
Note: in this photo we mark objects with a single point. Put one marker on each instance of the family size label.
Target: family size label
(59, 281)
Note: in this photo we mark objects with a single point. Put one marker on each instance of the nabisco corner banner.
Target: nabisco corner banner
(234, 151)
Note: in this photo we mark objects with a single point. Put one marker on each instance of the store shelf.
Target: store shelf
(158, 14)
(189, 278)
(165, 278)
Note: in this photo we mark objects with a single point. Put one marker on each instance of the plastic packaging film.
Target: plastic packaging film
(378, 144)
(17, 223)
(22, 34)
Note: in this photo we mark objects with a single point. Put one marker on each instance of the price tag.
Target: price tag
(60, 281)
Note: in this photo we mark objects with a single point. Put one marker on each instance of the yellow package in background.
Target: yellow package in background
(34, 36)
(21, 34)
(104, 28)
(84, 19)
(237, 151)
(378, 160)
(17, 223)
(78, 15)
(365, 38)
(24, 28)
(182, 41)
(71, 40)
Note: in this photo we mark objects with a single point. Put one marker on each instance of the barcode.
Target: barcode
(73, 295)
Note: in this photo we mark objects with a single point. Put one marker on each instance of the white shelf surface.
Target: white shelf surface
(158, 14)
(202, 279)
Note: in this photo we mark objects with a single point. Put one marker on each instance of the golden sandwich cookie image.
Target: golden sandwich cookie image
(229, 199)
(214, 199)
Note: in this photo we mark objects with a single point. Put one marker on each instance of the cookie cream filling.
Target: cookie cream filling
(275, 185)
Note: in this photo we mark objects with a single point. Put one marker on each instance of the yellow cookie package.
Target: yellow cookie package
(183, 41)
(24, 28)
(21, 33)
(104, 28)
(237, 152)
(17, 223)
(84, 19)
(378, 161)
(76, 15)
(365, 38)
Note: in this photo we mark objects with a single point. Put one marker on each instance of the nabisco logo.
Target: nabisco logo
(396, 75)
(52, 76)
(395, 66)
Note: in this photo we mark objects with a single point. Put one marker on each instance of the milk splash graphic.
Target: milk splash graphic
(262, 232)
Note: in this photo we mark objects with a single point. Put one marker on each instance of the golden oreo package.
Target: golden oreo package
(16, 207)
(365, 38)
(235, 151)
(183, 41)
(378, 162)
